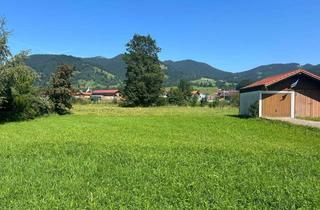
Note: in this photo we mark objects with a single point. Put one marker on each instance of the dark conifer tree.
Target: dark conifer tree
(61, 90)
(144, 75)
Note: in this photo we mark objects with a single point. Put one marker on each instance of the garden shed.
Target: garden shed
(292, 94)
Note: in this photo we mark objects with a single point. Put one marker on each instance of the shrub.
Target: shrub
(194, 100)
(43, 105)
(162, 101)
(81, 101)
(175, 96)
(254, 109)
(223, 103)
(204, 101)
(20, 98)
(214, 103)
(30, 106)
(235, 100)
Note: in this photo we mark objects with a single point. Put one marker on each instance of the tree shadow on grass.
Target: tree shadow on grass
(238, 116)
(10, 117)
(4, 120)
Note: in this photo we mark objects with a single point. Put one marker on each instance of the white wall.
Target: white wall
(246, 100)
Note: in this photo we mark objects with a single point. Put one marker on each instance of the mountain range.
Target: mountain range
(110, 72)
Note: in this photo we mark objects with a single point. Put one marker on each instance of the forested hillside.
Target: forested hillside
(86, 73)
(107, 72)
(263, 71)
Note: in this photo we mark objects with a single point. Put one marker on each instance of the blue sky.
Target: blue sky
(232, 35)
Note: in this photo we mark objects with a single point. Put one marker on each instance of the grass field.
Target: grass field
(157, 158)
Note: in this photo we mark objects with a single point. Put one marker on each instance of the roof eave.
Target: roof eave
(248, 89)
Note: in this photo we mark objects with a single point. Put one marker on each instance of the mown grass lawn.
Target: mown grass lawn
(157, 158)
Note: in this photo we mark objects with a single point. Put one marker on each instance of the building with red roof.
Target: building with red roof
(291, 94)
(105, 92)
(106, 95)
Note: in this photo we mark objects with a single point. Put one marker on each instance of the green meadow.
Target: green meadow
(108, 157)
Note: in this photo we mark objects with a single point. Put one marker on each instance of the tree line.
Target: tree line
(19, 97)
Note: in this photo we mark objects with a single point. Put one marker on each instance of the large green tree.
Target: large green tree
(60, 92)
(144, 77)
(5, 53)
(18, 96)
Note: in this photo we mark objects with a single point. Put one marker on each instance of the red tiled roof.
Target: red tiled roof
(195, 92)
(277, 78)
(105, 91)
(86, 93)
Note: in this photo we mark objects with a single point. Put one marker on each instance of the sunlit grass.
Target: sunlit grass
(167, 157)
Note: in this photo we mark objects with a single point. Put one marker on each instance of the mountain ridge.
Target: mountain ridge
(105, 72)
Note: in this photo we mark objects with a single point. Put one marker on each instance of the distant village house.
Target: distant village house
(106, 95)
(97, 95)
(226, 94)
(198, 94)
